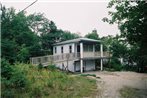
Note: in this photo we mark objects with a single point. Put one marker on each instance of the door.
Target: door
(78, 48)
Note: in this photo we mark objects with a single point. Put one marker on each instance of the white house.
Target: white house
(75, 55)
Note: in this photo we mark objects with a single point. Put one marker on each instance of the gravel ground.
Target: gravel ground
(111, 82)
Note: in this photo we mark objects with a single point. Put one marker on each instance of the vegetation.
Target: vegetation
(128, 92)
(132, 21)
(27, 81)
(28, 36)
(24, 36)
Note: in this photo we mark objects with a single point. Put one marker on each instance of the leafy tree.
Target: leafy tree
(93, 35)
(17, 38)
(68, 36)
(131, 18)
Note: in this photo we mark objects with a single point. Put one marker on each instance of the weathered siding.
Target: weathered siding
(89, 65)
(65, 48)
(70, 65)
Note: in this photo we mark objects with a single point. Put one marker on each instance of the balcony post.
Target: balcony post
(101, 49)
(81, 56)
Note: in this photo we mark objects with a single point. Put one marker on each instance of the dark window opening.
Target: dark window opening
(55, 50)
(70, 49)
(62, 49)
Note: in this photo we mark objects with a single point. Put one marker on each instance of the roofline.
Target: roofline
(77, 40)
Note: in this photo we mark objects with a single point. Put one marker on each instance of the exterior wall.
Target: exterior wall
(70, 65)
(88, 65)
(77, 66)
(89, 51)
(65, 48)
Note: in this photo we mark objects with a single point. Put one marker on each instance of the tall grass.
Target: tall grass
(47, 83)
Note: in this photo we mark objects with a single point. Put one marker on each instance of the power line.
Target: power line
(28, 6)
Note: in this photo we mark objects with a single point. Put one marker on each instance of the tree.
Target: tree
(67, 35)
(93, 35)
(17, 38)
(131, 18)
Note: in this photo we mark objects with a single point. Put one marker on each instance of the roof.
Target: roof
(77, 40)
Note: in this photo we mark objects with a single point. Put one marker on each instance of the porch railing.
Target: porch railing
(50, 59)
(96, 54)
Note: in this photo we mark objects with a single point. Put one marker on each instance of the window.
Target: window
(88, 48)
(85, 48)
(70, 49)
(62, 49)
(55, 49)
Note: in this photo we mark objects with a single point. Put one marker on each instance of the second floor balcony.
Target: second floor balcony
(68, 57)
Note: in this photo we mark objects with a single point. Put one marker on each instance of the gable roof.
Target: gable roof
(77, 40)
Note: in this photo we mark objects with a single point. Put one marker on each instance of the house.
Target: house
(75, 55)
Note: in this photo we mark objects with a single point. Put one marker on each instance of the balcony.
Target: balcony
(95, 54)
(50, 59)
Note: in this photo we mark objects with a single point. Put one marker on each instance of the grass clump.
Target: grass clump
(30, 82)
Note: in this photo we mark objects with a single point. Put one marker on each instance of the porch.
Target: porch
(51, 59)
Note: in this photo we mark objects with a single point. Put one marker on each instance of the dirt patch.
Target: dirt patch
(111, 83)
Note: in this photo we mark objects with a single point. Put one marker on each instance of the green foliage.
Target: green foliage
(40, 66)
(18, 40)
(6, 69)
(68, 36)
(52, 67)
(88, 75)
(27, 81)
(129, 92)
(132, 21)
(115, 64)
(25, 36)
(93, 35)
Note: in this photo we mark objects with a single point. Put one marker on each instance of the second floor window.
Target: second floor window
(62, 49)
(70, 49)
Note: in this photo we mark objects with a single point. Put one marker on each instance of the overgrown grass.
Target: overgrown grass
(47, 83)
(128, 92)
(93, 75)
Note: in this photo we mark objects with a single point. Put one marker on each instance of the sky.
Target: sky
(78, 16)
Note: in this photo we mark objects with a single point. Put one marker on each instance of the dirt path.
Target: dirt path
(111, 82)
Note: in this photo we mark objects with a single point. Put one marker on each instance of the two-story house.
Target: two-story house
(75, 55)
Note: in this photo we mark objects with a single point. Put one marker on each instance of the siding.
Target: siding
(65, 48)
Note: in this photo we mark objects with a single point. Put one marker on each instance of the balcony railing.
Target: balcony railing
(46, 60)
(95, 54)
(50, 59)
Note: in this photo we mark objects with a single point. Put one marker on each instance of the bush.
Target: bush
(18, 79)
(13, 77)
(40, 66)
(115, 64)
(52, 67)
(6, 69)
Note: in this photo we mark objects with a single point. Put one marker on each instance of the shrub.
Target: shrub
(115, 64)
(13, 77)
(18, 79)
(40, 66)
(6, 69)
(52, 67)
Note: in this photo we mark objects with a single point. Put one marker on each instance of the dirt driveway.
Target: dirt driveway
(111, 82)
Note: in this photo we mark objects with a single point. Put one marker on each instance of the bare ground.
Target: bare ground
(110, 83)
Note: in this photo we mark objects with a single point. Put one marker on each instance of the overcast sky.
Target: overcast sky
(74, 16)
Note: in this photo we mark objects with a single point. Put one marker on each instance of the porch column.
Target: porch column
(101, 49)
(93, 48)
(81, 56)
